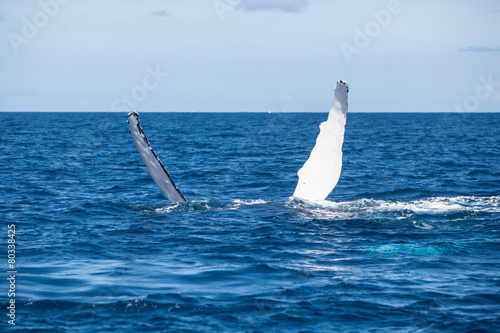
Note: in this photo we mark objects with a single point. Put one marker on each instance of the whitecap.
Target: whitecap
(250, 202)
(399, 210)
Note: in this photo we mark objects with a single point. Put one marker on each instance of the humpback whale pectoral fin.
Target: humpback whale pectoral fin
(154, 167)
(320, 173)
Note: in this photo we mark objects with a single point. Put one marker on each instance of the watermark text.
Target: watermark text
(225, 6)
(486, 89)
(30, 28)
(372, 29)
(139, 93)
(11, 240)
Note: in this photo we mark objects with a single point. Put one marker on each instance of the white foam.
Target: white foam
(206, 205)
(250, 202)
(168, 209)
(400, 209)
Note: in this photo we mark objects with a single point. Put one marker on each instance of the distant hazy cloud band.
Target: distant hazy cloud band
(480, 49)
(160, 13)
(289, 6)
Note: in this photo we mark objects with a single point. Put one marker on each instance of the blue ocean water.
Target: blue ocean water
(409, 240)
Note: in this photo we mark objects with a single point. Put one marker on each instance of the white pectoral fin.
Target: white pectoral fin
(321, 172)
(154, 167)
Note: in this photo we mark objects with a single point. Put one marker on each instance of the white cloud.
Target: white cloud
(480, 49)
(160, 13)
(289, 6)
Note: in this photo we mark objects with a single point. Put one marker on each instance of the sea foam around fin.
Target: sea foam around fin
(205, 205)
(421, 213)
(397, 210)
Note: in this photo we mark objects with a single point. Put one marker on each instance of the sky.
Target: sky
(249, 55)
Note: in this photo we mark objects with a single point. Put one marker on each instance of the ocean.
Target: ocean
(408, 241)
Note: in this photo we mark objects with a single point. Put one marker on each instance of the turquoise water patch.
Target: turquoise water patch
(419, 249)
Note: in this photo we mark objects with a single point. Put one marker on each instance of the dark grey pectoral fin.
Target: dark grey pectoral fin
(154, 167)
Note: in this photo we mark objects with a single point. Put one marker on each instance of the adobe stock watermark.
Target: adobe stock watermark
(225, 6)
(150, 82)
(371, 30)
(486, 89)
(31, 27)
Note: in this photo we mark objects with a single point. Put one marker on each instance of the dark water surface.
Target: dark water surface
(409, 240)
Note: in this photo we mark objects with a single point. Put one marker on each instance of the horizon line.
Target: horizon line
(260, 112)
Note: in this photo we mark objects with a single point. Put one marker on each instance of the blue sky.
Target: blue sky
(249, 55)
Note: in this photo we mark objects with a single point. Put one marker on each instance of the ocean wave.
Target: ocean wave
(207, 205)
(347, 210)
(397, 209)
(283, 311)
(250, 202)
